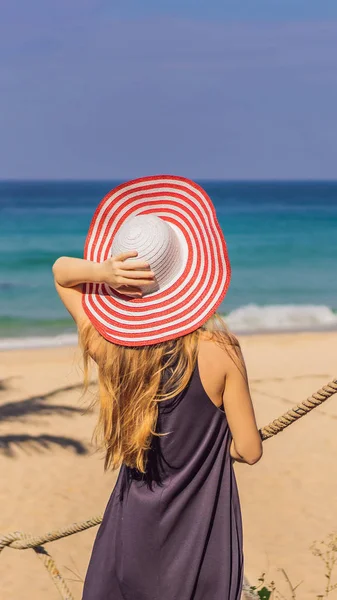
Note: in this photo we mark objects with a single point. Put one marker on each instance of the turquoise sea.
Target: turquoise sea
(281, 237)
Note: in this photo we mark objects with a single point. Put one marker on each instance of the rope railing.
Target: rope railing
(299, 410)
(22, 541)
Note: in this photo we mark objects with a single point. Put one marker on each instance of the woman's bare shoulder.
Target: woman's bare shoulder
(219, 348)
(219, 339)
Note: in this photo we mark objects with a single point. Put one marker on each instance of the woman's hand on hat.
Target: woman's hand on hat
(126, 277)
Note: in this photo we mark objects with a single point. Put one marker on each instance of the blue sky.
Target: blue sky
(207, 89)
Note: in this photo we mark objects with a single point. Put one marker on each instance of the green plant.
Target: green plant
(326, 550)
(261, 590)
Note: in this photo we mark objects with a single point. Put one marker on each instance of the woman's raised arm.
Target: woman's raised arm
(126, 277)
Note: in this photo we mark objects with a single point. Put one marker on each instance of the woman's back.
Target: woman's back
(155, 271)
(175, 532)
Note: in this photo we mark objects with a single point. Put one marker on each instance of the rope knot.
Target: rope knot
(17, 539)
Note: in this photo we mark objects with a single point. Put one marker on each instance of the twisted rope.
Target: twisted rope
(22, 541)
(299, 410)
(54, 573)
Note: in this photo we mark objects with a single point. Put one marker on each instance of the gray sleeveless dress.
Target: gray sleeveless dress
(174, 533)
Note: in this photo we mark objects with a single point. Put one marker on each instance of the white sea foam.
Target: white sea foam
(65, 339)
(253, 318)
(246, 319)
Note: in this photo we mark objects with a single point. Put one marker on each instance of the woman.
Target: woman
(175, 407)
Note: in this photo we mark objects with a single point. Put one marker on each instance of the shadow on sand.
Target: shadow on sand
(38, 443)
(21, 410)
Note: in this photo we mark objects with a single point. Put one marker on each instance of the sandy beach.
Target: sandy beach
(52, 476)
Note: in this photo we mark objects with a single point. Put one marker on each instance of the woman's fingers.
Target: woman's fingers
(140, 282)
(130, 290)
(148, 275)
(135, 265)
(124, 255)
(126, 276)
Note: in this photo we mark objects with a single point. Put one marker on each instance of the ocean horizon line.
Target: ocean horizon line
(231, 181)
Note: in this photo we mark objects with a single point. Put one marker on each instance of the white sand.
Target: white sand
(288, 499)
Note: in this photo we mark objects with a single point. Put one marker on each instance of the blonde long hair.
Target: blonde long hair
(131, 386)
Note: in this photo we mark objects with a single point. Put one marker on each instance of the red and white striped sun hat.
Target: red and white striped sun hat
(172, 224)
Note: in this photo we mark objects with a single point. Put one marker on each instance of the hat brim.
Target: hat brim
(193, 297)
